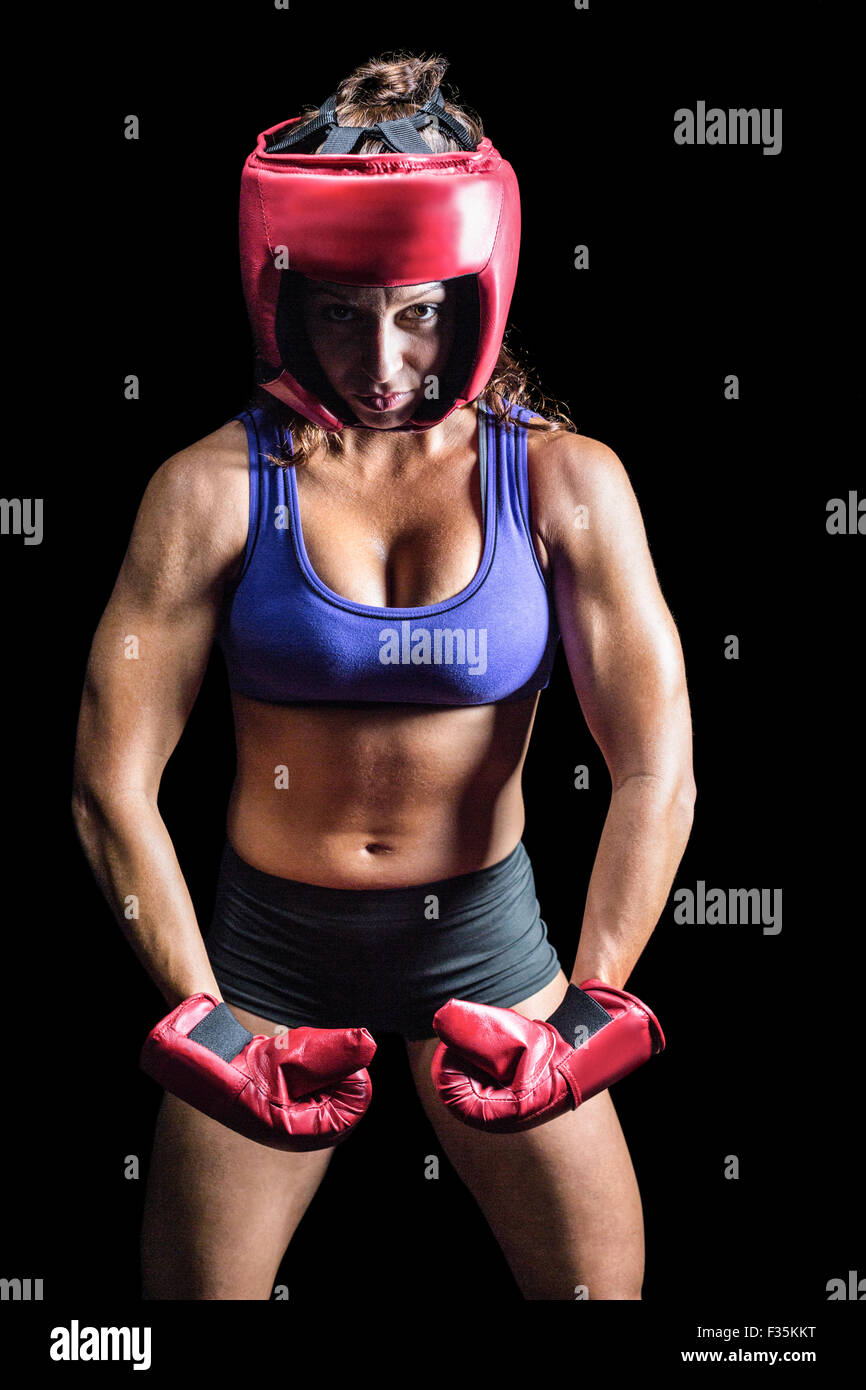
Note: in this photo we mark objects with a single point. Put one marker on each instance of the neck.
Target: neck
(393, 451)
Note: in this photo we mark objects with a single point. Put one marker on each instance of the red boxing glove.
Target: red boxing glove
(501, 1072)
(305, 1089)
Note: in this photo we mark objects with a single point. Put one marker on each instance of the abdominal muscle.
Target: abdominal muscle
(377, 796)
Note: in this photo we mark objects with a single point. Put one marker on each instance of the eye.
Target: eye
(342, 313)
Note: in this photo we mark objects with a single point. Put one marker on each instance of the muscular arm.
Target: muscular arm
(144, 672)
(626, 664)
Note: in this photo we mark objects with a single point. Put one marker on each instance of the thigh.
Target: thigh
(220, 1209)
(562, 1199)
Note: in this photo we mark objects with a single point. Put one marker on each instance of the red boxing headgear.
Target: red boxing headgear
(405, 218)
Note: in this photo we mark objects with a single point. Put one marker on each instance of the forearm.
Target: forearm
(132, 858)
(645, 833)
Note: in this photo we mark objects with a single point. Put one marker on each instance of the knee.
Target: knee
(587, 1274)
(619, 1290)
(566, 1288)
(619, 1279)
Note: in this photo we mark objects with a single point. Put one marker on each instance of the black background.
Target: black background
(704, 261)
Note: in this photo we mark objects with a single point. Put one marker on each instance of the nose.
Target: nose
(381, 354)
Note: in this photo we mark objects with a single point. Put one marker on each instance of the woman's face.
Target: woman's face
(379, 346)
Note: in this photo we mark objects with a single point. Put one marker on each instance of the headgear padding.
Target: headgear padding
(404, 218)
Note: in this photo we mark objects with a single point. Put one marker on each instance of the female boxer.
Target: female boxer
(393, 559)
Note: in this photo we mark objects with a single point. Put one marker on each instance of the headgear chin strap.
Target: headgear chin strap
(404, 218)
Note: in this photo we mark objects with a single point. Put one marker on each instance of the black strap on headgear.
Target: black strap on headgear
(400, 136)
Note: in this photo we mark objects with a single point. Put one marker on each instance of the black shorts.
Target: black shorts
(379, 958)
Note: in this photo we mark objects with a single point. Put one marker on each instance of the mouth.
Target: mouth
(384, 403)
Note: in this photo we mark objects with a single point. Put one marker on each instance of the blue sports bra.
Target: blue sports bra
(286, 637)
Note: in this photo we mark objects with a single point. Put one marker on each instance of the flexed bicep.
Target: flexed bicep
(620, 640)
(151, 647)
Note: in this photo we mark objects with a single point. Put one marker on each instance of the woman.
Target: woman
(373, 868)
